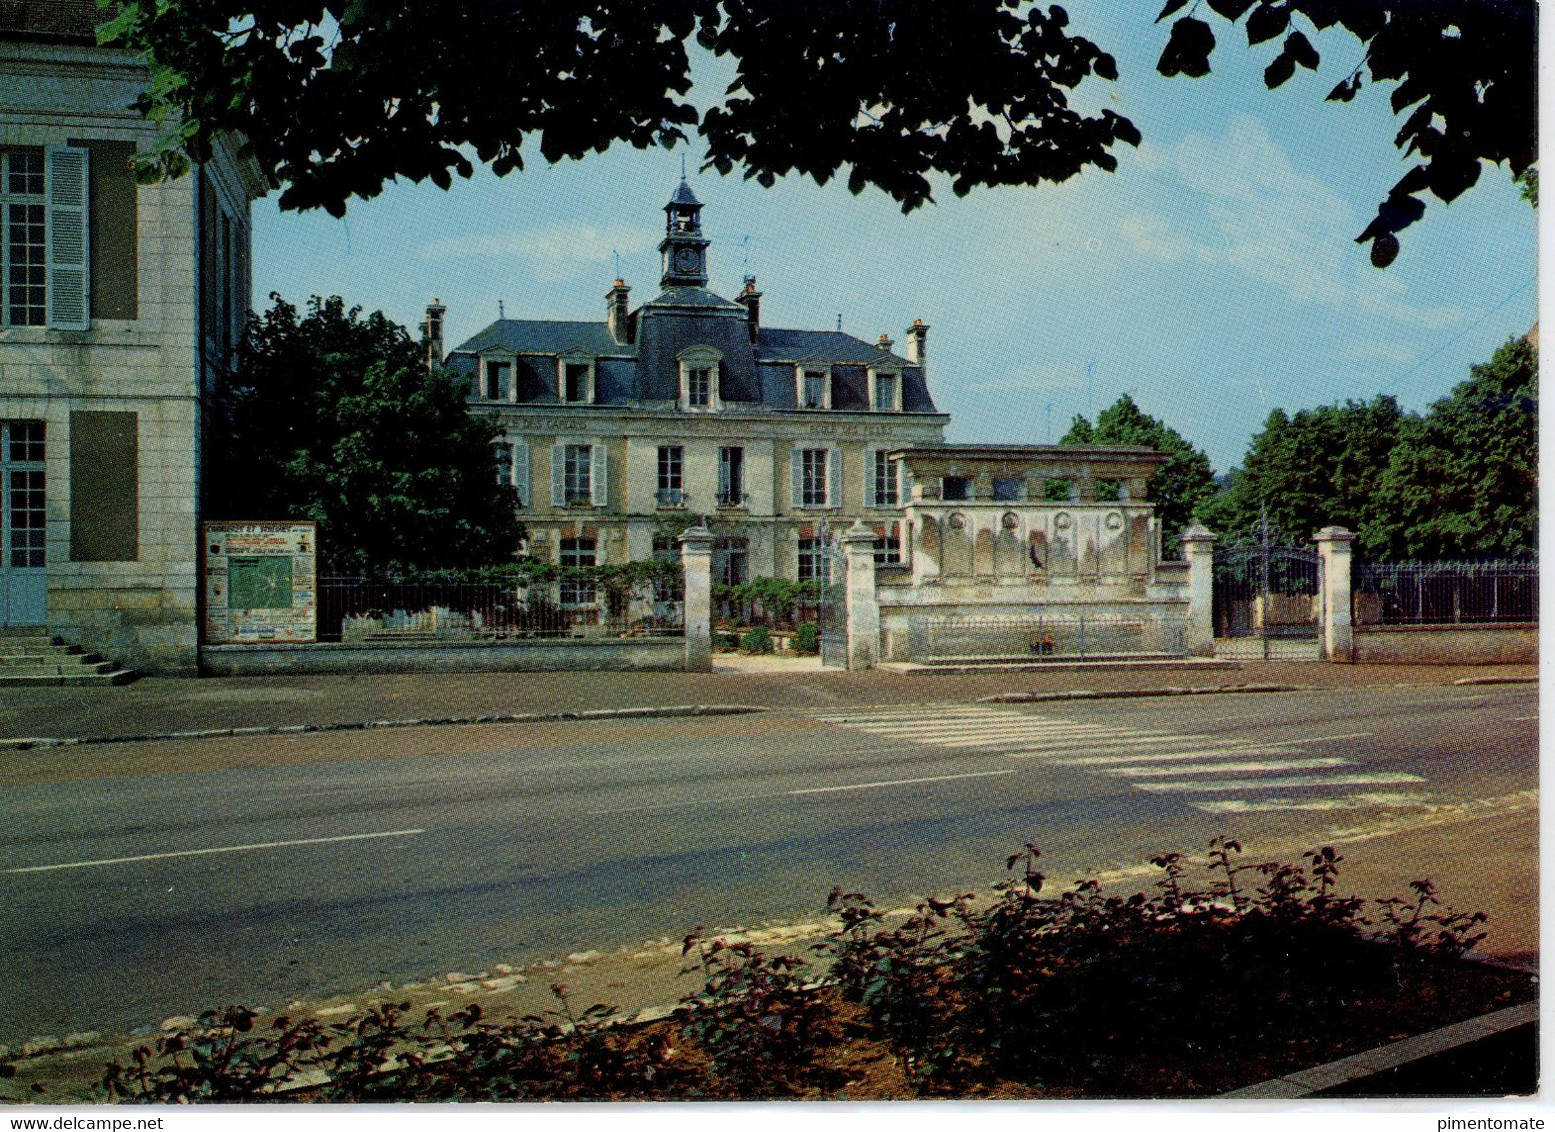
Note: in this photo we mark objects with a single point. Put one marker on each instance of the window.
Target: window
(671, 461)
(731, 477)
(956, 489)
(812, 477)
(812, 560)
(888, 547)
(885, 484)
(498, 382)
(577, 473)
(22, 494)
(577, 553)
(887, 385)
(513, 469)
(1008, 489)
(699, 387)
(25, 234)
(731, 557)
(814, 392)
(576, 383)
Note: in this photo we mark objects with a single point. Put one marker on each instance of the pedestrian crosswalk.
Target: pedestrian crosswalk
(1214, 774)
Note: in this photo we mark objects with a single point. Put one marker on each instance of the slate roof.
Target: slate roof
(531, 336)
(70, 20)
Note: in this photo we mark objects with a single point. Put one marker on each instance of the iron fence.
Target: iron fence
(1444, 593)
(367, 609)
(1058, 637)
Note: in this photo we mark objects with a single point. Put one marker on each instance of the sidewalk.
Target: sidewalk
(157, 705)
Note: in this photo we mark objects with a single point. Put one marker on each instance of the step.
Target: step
(51, 668)
(995, 661)
(70, 680)
(47, 654)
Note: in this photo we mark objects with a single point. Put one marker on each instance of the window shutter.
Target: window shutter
(796, 478)
(723, 474)
(834, 477)
(599, 488)
(869, 477)
(521, 472)
(558, 474)
(903, 484)
(67, 239)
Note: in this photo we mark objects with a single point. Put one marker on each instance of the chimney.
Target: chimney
(918, 343)
(750, 299)
(616, 314)
(433, 330)
(885, 343)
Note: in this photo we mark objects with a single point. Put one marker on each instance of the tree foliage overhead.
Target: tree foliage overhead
(1463, 71)
(1178, 486)
(337, 97)
(336, 418)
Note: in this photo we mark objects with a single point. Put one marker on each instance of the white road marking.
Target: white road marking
(220, 849)
(1227, 768)
(1334, 738)
(1381, 778)
(1523, 718)
(1352, 802)
(978, 727)
(1208, 750)
(899, 782)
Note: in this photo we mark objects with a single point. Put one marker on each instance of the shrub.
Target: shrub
(758, 640)
(727, 640)
(807, 639)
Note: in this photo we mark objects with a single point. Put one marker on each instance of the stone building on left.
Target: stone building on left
(119, 305)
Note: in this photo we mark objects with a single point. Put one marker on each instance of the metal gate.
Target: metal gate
(1268, 601)
(833, 605)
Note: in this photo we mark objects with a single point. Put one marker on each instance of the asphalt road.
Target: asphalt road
(141, 882)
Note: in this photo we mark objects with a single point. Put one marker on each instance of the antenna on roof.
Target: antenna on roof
(745, 246)
(618, 262)
(839, 320)
(682, 166)
(500, 312)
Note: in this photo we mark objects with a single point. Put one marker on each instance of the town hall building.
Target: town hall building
(616, 432)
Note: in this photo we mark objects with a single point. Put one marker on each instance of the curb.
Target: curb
(1293, 1086)
(1469, 680)
(675, 711)
(1124, 693)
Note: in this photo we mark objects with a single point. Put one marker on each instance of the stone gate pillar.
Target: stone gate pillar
(1198, 547)
(696, 561)
(1335, 633)
(858, 547)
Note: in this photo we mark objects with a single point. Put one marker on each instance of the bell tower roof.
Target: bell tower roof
(684, 248)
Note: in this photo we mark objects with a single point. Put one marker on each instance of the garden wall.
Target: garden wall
(655, 654)
(1446, 644)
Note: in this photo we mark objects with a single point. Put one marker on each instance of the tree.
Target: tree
(1178, 486)
(1307, 471)
(1465, 70)
(337, 97)
(1463, 480)
(336, 418)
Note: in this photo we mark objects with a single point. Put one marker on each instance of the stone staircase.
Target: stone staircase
(32, 658)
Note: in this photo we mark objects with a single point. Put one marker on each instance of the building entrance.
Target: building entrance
(24, 588)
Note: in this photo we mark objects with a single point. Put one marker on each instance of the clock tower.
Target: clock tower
(684, 248)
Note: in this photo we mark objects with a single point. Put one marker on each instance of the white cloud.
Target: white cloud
(1149, 234)
(559, 249)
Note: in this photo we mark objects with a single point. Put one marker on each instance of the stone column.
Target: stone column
(858, 547)
(1335, 632)
(1198, 547)
(696, 560)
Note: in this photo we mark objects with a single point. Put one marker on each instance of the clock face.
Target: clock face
(686, 260)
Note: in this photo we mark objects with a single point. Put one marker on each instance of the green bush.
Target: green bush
(727, 640)
(807, 639)
(758, 640)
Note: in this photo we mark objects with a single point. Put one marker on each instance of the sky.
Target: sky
(1213, 277)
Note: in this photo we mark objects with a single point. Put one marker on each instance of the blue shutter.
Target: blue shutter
(796, 478)
(68, 303)
(558, 474)
(834, 477)
(521, 472)
(869, 476)
(599, 488)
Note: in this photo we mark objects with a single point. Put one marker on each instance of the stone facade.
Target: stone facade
(619, 432)
(143, 295)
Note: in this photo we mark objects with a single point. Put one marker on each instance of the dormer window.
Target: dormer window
(575, 379)
(496, 380)
(699, 379)
(885, 392)
(814, 388)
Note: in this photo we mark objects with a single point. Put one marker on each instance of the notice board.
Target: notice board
(260, 584)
